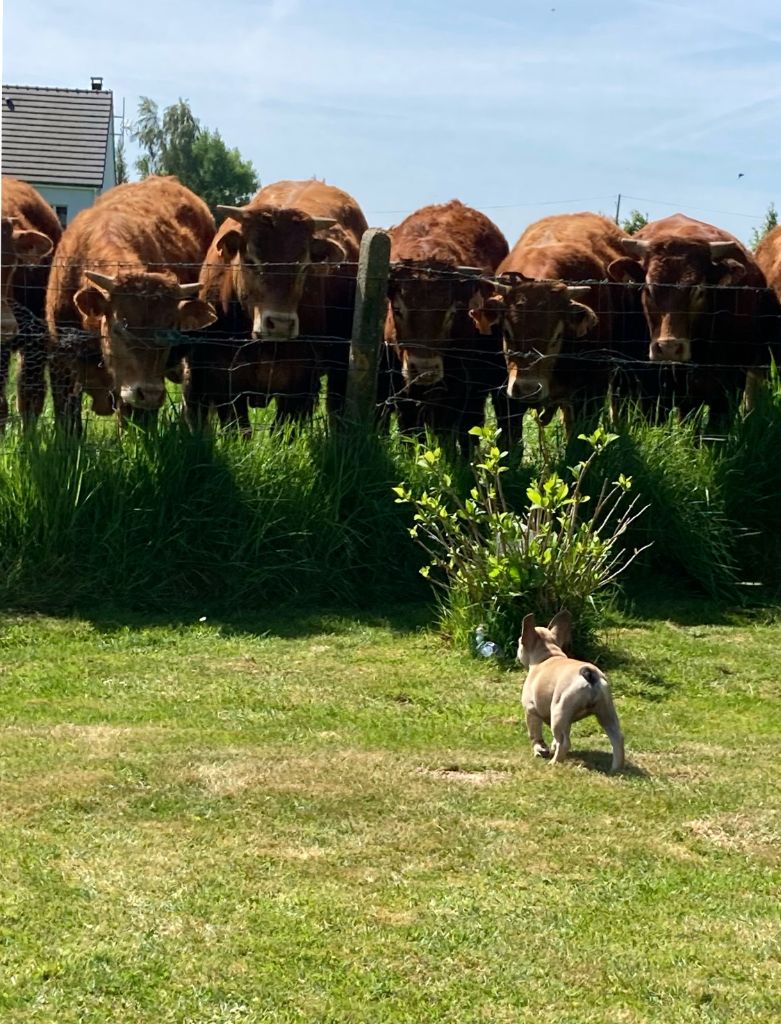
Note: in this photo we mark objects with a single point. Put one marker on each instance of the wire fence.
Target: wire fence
(430, 354)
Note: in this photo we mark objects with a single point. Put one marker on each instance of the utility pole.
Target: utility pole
(618, 207)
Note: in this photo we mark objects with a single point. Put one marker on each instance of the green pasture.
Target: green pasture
(245, 778)
(280, 817)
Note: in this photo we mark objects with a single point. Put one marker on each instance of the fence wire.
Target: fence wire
(738, 329)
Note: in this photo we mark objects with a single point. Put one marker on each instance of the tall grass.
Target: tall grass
(165, 520)
(749, 477)
(168, 520)
(675, 472)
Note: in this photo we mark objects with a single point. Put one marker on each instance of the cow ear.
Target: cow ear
(194, 315)
(561, 627)
(626, 270)
(581, 319)
(729, 272)
(229, 244)
(93, 304)
(326, 250)
(31, 246)
(487, 313)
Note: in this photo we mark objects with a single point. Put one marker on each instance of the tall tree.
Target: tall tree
(767, 225)
(175, 143)
(121, 162)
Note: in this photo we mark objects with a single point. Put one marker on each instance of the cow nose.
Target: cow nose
(279, 326)
(425, 371)
(670, 351)
(143, 396)
(527, 389)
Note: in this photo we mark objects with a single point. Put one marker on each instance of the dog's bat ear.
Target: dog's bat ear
(528, 634)
(561, 627)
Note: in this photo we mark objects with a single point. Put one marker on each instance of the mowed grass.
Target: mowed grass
(308, 818)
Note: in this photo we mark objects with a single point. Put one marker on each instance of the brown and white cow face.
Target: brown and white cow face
(272, 249)
(18, 248)
(427, 313)
(675, 274)
(136, 315)
(535, 317)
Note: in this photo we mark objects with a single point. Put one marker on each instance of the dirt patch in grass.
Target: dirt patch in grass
(752, 835)
(28, 797)
(95, 740)
(469, 776)
(331, 773)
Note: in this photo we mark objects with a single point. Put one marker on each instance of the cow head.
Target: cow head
(535, 317)
(675, 274)
(136, 314)
(271, 250)
(427, 315)
(18, 248)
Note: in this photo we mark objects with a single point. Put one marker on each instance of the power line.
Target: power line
(705, 209)
(516, 206)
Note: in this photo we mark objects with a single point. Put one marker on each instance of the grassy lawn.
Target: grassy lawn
(320, 819)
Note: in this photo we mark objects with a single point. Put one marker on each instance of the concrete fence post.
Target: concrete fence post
(368, 325)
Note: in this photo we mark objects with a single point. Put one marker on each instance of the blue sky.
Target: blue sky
(520, 108)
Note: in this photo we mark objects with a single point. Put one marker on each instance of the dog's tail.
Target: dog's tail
(591, 675)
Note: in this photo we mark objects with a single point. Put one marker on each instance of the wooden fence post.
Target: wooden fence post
(368, 323)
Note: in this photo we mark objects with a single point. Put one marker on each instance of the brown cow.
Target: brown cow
(549, 337)
(123, 285)
(30, 232)
(281, 271)
(447, 370)
(768, 257)
(695, 314)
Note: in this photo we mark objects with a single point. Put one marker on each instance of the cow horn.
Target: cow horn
(578, 291)
(102, 281)
(236, 212)
(469, 271)
(634, 247)
(189, 291)
(721, 250)
(321, 223)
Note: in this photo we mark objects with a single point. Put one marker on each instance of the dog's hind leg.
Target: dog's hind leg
(560, 726)
(534, 727)
(608, 719)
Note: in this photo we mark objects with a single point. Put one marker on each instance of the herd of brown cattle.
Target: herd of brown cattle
(142, 286)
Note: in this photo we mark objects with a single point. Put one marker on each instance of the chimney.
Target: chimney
(96, 83)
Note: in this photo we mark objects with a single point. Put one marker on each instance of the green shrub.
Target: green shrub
(494, 562)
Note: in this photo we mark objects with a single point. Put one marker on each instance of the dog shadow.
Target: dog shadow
(600, 761)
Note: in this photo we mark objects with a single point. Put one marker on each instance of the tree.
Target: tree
(634, 222)
(770, 222)
(175, 143)
(121, 162)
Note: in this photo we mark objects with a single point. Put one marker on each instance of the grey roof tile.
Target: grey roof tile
(56, 136)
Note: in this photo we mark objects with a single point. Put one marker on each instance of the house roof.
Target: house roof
(56, 136)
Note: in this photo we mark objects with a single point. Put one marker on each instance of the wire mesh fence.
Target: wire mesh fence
(437, 365)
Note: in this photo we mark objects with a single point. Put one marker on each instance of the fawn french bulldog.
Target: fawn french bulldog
(560, 690)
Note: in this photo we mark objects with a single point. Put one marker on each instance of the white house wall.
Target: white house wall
(75, 199)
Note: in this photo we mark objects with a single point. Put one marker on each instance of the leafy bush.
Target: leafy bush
(493, 562)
